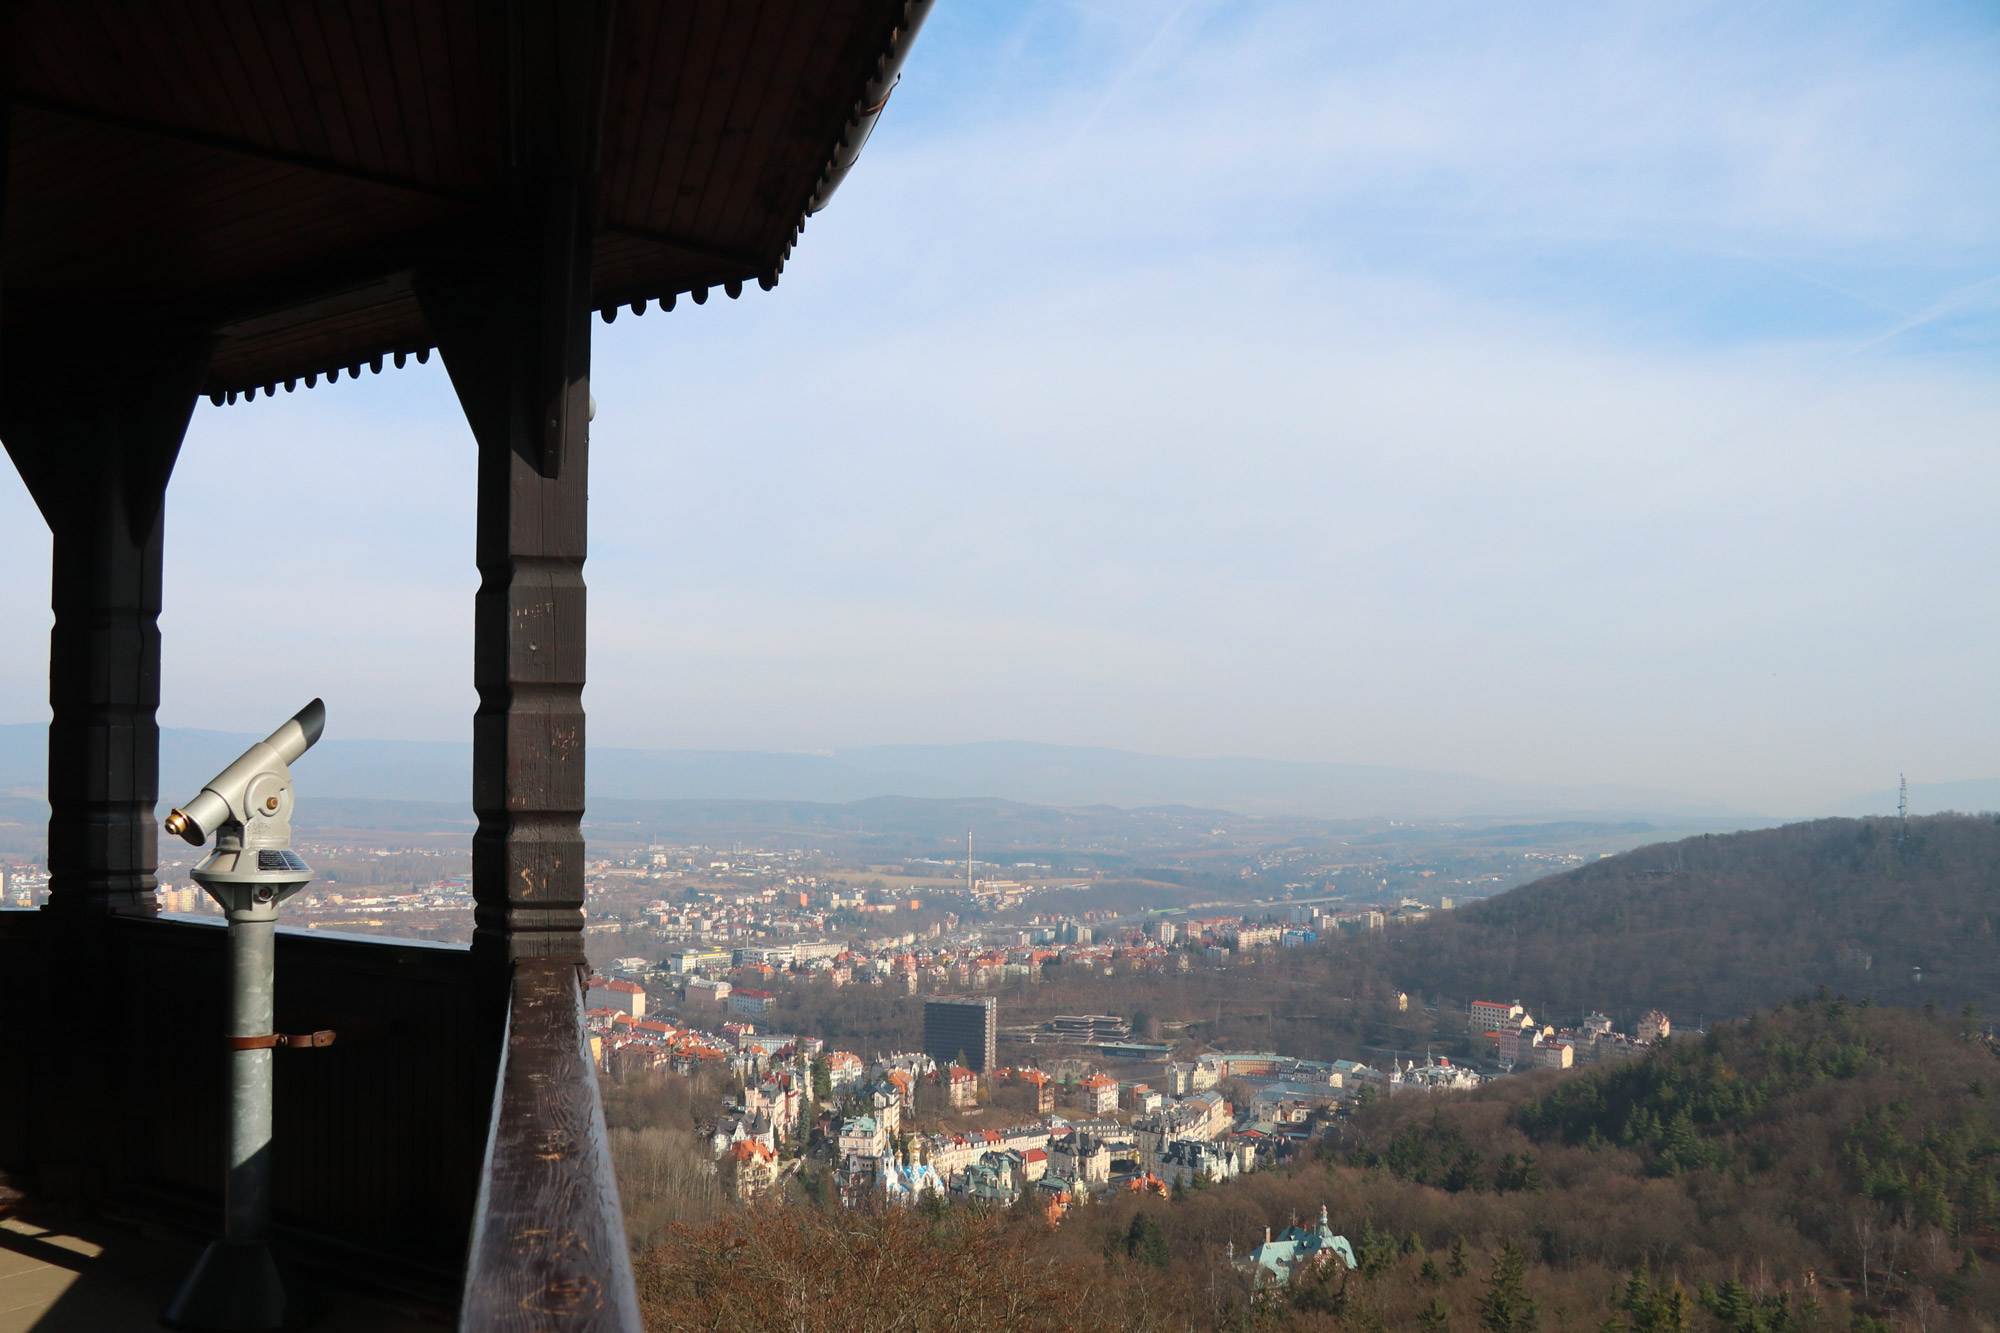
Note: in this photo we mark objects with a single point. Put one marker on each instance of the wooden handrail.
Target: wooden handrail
(548, 1241)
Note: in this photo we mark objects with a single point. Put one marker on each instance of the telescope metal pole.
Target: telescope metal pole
(235, 1286)
(252, 1011)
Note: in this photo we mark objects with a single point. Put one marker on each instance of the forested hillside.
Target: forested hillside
(1727, 924)
(1826, 1168)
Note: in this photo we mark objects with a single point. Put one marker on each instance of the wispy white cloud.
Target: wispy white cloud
(1558, 392)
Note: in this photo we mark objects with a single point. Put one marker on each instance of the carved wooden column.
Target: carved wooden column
(512, 318)
(94, 424)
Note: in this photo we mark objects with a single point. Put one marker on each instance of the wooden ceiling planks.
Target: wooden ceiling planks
(765, 205)
(734, 196)
(276, 171)
(377, 88)
(684, 96)
(649, 63)
(208, 215)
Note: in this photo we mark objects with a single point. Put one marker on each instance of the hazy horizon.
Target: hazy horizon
(1564, 396)
(1026, 773)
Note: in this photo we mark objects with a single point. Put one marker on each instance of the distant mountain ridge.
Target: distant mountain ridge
(1029, 772)
(1724, 924)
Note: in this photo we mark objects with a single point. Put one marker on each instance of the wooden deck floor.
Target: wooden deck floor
(97, 1279)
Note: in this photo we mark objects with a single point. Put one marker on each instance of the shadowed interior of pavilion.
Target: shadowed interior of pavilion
(219, 200)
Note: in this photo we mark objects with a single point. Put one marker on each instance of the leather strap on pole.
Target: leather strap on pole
(272, 1040)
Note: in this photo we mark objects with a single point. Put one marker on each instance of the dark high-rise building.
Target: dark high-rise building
(955, 1024)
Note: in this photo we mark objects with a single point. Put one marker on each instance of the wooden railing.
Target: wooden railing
(548, 1242)
(112, 1083)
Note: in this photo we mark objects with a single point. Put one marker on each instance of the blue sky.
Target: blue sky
(1564, 392)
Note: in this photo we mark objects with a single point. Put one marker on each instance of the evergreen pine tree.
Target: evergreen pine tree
(1731, 1306)
(1146, 1241)
(1506, 1307)
(1458, 1267)
(1518, 1174)
(1435, 1317)
(1637, 1302)
(1374, 1250)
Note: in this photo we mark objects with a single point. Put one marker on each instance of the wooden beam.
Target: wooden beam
(241, 148)
(94, 425)
(738, 262)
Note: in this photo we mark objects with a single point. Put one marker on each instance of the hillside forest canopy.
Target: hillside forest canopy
(1828, 1167)
(1724, 924)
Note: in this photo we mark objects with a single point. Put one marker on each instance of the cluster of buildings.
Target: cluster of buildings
(1518, 1042)
(624, 1039)
(911, 962)
(23, 885)
(1089, 1135)
(1061, 1160)
(793, 907)
(742, 945)
(900, 961)
(1109, 1134)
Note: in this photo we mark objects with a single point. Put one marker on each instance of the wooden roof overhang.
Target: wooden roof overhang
(274, 174)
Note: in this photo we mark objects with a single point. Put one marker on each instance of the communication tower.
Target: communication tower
(1902, 806)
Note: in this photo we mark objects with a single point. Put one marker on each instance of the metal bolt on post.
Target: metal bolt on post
(235, 1286)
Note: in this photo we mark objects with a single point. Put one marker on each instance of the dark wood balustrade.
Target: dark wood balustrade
(548, 1242)
(435, 1151)
(111, 1088)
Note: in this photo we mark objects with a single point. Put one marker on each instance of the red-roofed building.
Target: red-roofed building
(756, 1168)
(617, 993)
(747, 1000)
(1045, 1090)
(844, 1069)
(1098, 1094)
(1492, 1016)
(964, 1087)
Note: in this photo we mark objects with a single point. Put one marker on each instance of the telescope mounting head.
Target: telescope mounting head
(248, 806)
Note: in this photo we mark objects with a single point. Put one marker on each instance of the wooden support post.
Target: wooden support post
(512, 318)
(94, 428)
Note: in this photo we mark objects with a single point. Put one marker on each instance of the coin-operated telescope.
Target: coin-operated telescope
(235, 1285)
